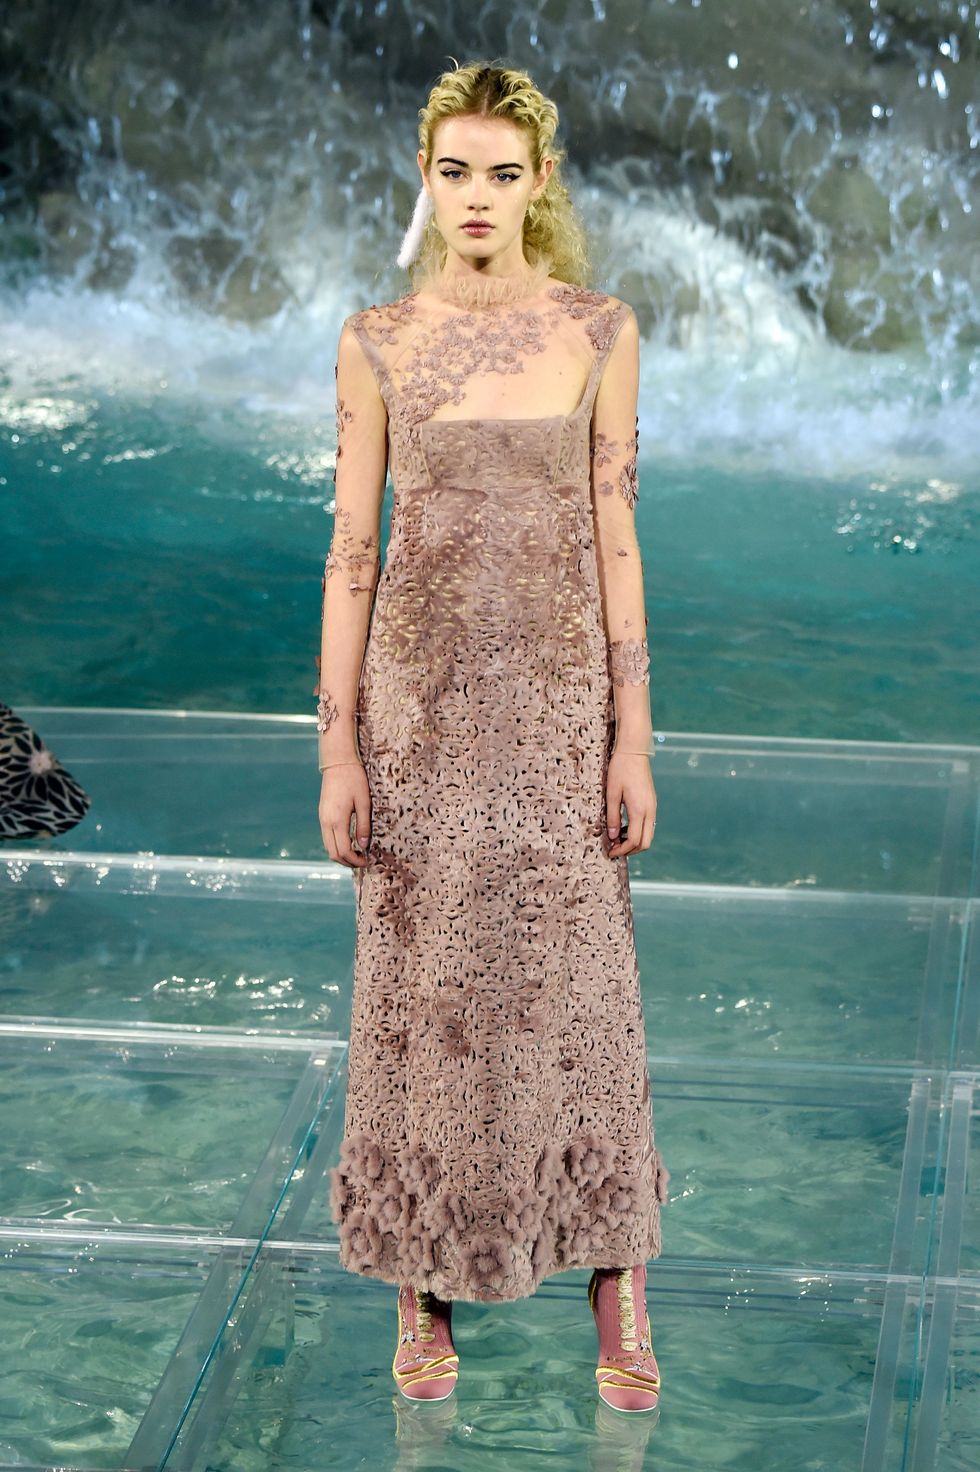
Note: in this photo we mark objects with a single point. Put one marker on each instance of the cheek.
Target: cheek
(515, 207)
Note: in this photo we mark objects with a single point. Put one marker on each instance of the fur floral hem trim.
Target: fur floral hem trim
(400, 1220)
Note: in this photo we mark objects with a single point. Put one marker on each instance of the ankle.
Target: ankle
(424, 1313)
(425, 1365)
(627, 1372)
(619, 1307)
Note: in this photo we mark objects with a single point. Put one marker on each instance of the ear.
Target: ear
(547, 165)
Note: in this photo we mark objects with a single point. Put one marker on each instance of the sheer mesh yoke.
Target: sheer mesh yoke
(498, 1123)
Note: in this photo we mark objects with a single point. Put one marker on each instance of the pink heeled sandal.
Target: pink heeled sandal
(627, 1375)
(426, 1365)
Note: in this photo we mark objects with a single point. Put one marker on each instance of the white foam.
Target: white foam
(744, 377)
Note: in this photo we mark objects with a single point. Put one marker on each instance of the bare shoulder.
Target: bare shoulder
(601, 314)
(583, 298)
(382, 316)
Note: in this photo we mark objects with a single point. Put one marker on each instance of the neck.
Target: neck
(475, 288)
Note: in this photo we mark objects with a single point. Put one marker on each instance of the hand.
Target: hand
(629, 782)
(344, 793)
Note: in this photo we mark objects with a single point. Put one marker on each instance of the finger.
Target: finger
(358, 859)
(631, 841)
(326, 833)
(639, 828)
(345, 853)
(642, 828)
(362, 817)
(614, 803)
(625, 844)
(636, 826)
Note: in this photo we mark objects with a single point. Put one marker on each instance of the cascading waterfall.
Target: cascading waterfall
(193, 197)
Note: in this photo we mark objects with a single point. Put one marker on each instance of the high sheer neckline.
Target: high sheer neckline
(473, 290)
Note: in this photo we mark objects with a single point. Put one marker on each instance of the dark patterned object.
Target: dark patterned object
(38, 798)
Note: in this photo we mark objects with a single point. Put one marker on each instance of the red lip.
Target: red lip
(475, 229)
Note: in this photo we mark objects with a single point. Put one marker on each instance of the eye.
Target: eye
(455, 174)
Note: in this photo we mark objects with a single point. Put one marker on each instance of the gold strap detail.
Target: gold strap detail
(632, 1377)
(423, 1313)
(428, 1370)
(627, 1308)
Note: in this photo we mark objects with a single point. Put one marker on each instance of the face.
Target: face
(481, 171)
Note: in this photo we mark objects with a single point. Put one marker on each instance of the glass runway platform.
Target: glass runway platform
(176, 976)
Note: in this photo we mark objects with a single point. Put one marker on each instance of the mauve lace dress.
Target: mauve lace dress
(498, 1120)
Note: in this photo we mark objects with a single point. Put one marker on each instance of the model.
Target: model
(483, 719)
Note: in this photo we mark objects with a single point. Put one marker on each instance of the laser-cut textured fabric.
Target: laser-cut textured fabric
(498, 1123)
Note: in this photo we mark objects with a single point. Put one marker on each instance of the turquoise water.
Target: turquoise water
(162, 555)
(803, 926)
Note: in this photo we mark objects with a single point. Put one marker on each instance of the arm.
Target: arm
(352, 568)
(614, 495)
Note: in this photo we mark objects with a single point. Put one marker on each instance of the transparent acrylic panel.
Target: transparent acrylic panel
(759, 1370)
(189, 783)
(757, 973)
(872, 816)
(162, 941)
(90, 1328)
(781, 975)
(164, 1129)
(811, 978)
(783, 1168)
(958, 1408)
(956, 1251)
(967, 1051)
(862, 816)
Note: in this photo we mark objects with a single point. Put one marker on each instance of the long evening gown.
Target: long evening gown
(498, 1123)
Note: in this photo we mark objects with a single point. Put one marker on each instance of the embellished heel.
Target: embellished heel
(426, 1365)
(627, 1374)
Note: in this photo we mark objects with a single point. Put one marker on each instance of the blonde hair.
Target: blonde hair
(552, 227)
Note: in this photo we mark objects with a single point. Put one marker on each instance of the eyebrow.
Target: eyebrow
(465, 165)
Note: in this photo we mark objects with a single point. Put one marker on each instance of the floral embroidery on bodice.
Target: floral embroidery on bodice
(512, 544)
(433, 356)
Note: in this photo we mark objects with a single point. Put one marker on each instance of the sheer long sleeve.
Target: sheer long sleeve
(615, 435)
(352, 568)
